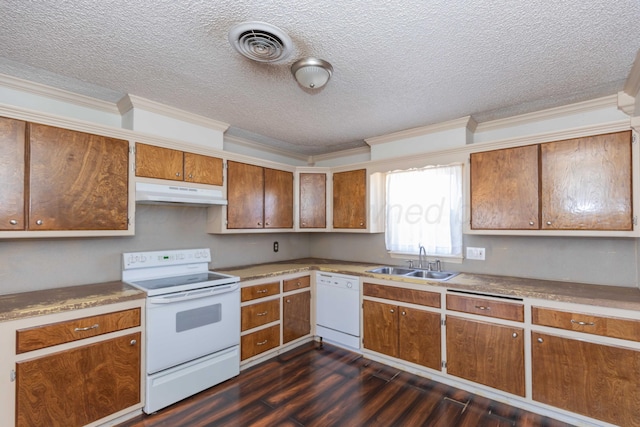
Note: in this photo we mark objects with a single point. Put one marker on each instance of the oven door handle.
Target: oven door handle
(191, 295)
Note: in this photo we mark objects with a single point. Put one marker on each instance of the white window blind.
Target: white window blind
(424, 207)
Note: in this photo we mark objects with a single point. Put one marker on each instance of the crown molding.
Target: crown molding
(550, 113)
(626, 103)
(263, 147)
(129, 101)
(464, 122)
(338, 154)
(57, 94)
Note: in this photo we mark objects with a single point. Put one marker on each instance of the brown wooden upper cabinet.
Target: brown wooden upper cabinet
(12, 178)
(176, 165)
(313, 200)
(350, 199)
(258, 197)
(577, 184)
(62, 179)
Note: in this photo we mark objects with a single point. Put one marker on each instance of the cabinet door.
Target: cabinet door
(245, 194)
(79, 386)
(486, 353)
(504, 189)
(159, 162)
(586, 183)
(419, 337)
(350, 199)
(595, 380)
(12, 161)
(78, 181)
(380, 330)
(313, 200)
(296, 316)
(278, 199)
(202, 169)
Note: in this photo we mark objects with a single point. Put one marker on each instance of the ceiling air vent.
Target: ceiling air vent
(260, 41)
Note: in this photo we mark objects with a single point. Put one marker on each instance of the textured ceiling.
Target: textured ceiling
(397, 64)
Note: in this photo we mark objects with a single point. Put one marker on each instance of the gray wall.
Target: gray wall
(605, 261)
(33, 264)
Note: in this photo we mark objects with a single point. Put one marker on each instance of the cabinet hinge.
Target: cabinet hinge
(128, 220)
(634, 138)
(443, 322)
(444, 364)
(225, 165)
(635, 220)
(12, 375)
(226, 222)
(132, 149)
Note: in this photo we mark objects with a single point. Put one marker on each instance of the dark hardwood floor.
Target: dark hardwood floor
(329, 386)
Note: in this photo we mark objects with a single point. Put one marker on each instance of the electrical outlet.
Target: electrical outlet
(475, 253)
(275, 247)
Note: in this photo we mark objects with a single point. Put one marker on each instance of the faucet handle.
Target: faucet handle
(410, 261)
(438, 265)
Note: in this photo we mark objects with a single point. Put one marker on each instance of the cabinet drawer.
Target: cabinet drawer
(297, 283)
(485, 307)
(260, 314)
(259, 291)
(259, 342)
(72, 330)
(429, 299)
(613, 327)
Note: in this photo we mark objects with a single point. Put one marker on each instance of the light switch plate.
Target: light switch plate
(475, 253)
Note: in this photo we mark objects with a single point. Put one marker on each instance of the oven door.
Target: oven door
(187, 325)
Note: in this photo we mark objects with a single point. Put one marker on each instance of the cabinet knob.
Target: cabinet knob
(304, 223)
(361, 223)
(13, 222)
(190, 175)
(288, 301)
(548, 222)
(404, 313)
(531, 222)
(540, 340)
(177, 173)
(259, 223)
(515, 335)
(266, 223)
(133, 342)
(39, 222)
(298, 284)
(392, 310)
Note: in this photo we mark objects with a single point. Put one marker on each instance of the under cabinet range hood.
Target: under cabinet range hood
(158, 194)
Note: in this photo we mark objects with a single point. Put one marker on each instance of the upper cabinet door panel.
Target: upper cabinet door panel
(278, 199)
(504, 189)
(12, 161)
(78, 181)
(587, 183)
(245, 194)
(313, 200)
(350, 199)
(202, 169)
(158, 162)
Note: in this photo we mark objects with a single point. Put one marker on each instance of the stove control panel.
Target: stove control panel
(165, 258)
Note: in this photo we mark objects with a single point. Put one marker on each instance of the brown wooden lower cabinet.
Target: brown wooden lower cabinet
(259, 314)
(259, 341)
(486, 353)
(296, 316)
(409, 334)
(76, 387)
(596, 380)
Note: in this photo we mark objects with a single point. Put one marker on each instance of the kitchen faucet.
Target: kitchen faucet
(429, 265)
(421, 262)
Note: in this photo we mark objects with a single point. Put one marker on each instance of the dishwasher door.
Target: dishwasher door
(338, 309)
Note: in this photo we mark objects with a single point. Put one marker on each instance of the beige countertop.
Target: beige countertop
(580, 293)
(49, 301)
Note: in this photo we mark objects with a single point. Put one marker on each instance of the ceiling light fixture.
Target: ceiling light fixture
(312, 73)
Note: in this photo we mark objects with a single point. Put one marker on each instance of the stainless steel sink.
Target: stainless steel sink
(439, 276)
(432, 275)
(395, 271)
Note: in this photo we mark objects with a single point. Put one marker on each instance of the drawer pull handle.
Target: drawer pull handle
(581, 323)
(483, 307)
(262, 342)
(13, 222)
(298, 284)
(96, 326)
(262, 291)
(264, 313)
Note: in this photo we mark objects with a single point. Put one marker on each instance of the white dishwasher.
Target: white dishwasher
(338, 309)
